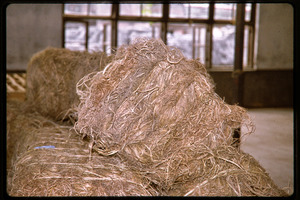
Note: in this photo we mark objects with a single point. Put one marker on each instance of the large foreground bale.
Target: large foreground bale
(155, 127)
(52, 75)
(157, 110)
(49, 159)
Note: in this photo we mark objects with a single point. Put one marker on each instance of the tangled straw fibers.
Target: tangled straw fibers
(52, 75)
(64, 170)
(155, 120)
(158, 111)
(226, 171)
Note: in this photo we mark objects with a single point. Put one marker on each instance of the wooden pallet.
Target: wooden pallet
(16, 85)
(16, 82)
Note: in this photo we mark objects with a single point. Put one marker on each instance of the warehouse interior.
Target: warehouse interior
(255, 72)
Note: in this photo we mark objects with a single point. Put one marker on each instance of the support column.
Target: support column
(237, 74)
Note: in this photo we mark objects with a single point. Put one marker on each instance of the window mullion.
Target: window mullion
(114, 26)
(87, 35)
(209, 30)
(239, 37)
(104, 38)
(238, 55)
(164, 23)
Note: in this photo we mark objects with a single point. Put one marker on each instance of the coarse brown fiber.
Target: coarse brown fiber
(157, 110)
(69, 170)
(52, 75)
(149, 123)
(66, 169)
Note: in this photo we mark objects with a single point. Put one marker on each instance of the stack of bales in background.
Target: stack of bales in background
(52, 75)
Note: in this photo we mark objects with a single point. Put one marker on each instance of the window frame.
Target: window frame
(165, 20)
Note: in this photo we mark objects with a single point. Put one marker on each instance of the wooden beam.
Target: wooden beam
(237, 74)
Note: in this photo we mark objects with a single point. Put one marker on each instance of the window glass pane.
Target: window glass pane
(75, 46)
(75, 35)
(248, 47)
(223, 45)
(152, 10)
(100, 9)
(99, 36)
(128, 31)
(180, 36)
(199, 35)
(189, 39)
(248, 11)
(130, 9)
(246, 40)
(225, 11)
(76, 9)
(199, 11)
(179, 10)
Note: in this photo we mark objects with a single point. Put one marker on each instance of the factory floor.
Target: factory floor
(272, 144)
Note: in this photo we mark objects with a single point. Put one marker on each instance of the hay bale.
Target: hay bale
(226, 171)
(155, 109)
(152, 88)
(49, 159)
(158, 125)
(52, 75)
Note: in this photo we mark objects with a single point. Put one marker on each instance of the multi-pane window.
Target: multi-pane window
(204, 31)
(141, 10)
(188, 10)
(129, 30)
(83, 30)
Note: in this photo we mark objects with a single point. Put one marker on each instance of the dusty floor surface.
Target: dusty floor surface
(272, 144)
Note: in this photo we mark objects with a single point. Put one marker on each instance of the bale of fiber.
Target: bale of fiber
(149, 88)
(155, 125)
(52, 75)
(157, 110)
(49, 159)
(226, 171)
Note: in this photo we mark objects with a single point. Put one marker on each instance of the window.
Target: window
(128, 31)
(223, 45)
(87, 27)
(224, 11)
(191, 11)
(145, 10)
(204, 31)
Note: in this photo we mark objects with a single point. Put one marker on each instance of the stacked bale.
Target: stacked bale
(52, 75)
(48, 159)
(226, 171)
(158, 111)
(154, 123)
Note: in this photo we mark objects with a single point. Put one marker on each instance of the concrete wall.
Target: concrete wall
(275, 37)
(31, 28)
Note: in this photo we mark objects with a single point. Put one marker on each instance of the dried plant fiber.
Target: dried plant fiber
(49, 159)
(149, 124)
(226, 171)
(158, 111)
(67, 169)
(52, 75)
